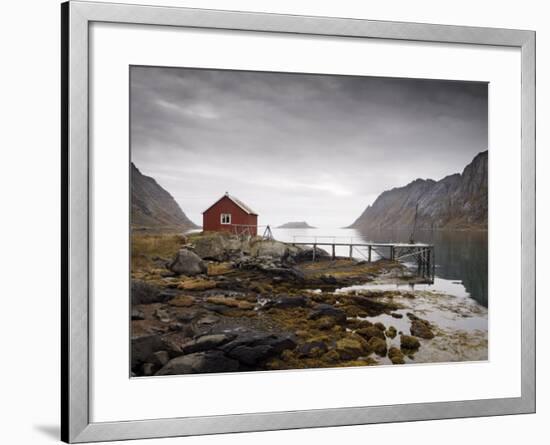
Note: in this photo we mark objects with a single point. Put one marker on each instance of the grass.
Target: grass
(146, 248)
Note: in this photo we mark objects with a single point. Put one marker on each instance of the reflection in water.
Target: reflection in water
(460, 256)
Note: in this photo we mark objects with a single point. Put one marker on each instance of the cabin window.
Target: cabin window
(225, 218)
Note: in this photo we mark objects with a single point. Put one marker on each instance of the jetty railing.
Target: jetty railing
(422, 254)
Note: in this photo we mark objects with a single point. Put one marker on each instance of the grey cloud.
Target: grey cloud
(299, 146)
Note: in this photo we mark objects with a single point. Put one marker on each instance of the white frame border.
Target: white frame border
(76, 17)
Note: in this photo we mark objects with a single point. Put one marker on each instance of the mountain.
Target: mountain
(296, 225)
(458, 201)
(154, 207)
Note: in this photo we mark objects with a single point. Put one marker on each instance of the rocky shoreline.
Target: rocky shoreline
(212, 302)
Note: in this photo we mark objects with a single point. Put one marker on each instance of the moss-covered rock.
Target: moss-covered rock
(331, 356)
(421, 328)
(215, 269)
(371, 331)
(351, 347)
(326, 310)
(326, 323)
(230, 302)
(261, 288)
(380, 326)
(409, 342)
(391, 332)
(196, 284)
(182, 301)
(312, 349)
(396, 356)
(357, 323)
(378, 346)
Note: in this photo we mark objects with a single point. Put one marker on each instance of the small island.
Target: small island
(296, 225)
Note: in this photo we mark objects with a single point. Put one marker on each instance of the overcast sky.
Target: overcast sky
(298, 146)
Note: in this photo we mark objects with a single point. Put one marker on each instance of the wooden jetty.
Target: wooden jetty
(420, 253)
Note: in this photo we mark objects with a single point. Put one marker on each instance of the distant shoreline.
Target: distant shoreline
(295, 225)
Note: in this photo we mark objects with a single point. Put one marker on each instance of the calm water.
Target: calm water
(460, 256)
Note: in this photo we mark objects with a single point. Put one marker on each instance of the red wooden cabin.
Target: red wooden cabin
(229, 214)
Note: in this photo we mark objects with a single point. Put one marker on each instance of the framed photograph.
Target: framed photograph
(276, 222)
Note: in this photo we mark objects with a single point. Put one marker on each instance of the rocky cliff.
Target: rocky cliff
(458, 201)
(153, 207)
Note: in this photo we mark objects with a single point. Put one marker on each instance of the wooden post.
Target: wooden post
(350, 251)
(370, 253)
(314, 249)
(392, 253)
(433, 262)
(428, 260)
(424, 260)
(333, 252)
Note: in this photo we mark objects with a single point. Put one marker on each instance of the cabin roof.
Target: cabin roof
(237, 202)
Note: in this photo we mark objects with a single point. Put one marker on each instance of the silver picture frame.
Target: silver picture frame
(76, 18)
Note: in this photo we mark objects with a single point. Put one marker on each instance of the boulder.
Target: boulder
(250, 348)
(421, 328)
(284, 273)
(206, 342)
(269, 248)
(207, 320)
(187, 263)
(236, 246)
(218, 308)
(373, 307)
(251, 355)
(380, 326)
(305, 253)
(284, 301)
(144, 346)
(312, 349)
(391, 332)
(409, 342)
(326, 323)
(279, 269)
(137, 314)
(145, 293)
(198, 363)
(163, 314)
(326, 310)
(159, 358)
(377, 345)
(219, 246)
(148, 369)
(371, 331)
(173, 342)
(350, 348)
(328, 279)
(396, 356)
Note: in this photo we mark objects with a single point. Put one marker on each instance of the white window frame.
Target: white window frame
(222, 215)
